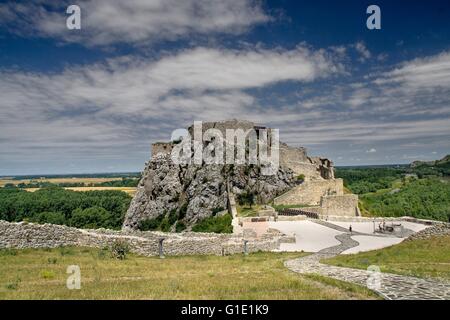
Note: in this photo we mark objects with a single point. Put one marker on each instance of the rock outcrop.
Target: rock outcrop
(191, 192)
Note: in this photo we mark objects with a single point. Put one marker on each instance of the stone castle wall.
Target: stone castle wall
(311, 192)
(161, 148)
(29, 235)
(340, 205)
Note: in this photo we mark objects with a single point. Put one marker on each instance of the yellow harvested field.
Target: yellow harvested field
(59, 180)
(129, 190)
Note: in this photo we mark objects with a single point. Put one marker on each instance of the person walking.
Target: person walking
(350, 229)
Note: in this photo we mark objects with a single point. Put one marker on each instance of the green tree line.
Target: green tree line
(90, 209)
(124, 182)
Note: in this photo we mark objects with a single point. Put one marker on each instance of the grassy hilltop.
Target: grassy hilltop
(41, 274)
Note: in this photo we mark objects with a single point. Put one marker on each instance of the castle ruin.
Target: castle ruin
(192, 192)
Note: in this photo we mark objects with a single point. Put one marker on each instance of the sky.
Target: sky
(94, 99)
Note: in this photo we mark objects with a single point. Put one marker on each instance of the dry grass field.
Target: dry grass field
(58, 180)
(130, 190)
(41, 274)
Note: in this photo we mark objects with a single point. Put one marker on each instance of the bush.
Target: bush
(246, 198)
(300, 178)
(165, 225)
(119, 249)
(8, 252)
(150, 224)
(215, 211)
(13, 285)
(180, 226)
(216, 224)
(183, 211)
(52, 260)
(163, 222)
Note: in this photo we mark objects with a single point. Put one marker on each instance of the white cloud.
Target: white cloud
(106, 22)
(135, 85)
(372, 150)
(360, 97)
(424, 73)
(363, 51)
(130, 101)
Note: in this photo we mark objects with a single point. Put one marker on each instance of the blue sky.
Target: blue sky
(93, 100)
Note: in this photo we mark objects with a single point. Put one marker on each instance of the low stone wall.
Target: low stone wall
(440, 229)
(30, 235)
(379, 219)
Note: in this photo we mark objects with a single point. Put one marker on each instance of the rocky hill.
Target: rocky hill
(192, 192)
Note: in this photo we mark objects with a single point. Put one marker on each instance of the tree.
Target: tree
(49, 217)
(91, 218)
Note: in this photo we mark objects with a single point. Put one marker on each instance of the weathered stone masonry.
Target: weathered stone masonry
(325, 197)
(29, 235)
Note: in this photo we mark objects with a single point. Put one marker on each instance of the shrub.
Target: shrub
(300, 178)
(163, 222)
(216, 224)
(183, 211)
(180, 226)
(246, 198)
(173, 216)
(150, 224)
(217, 210)
(119, 249)
(13, 285)
(165, 225)
(52, 260)
(8, 252)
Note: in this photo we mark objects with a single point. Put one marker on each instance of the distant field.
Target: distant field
(130, 190)
(41, 274)
(59, 180)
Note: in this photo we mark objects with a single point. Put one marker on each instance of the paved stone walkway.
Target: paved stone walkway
(390, 286)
